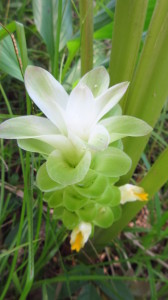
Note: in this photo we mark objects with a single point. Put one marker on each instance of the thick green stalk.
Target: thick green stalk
(127, 33)
(57, 42)
(152, 182)
(86, 24)
(149, 88)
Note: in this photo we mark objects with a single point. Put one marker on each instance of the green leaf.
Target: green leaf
(22, 44)
(104, 17)
(44, 182)
(128, 27)
(45, 17)
(89, 292)
(148, 89)
(104, 32)
(8, 60)
(73, 47)
(11, 27)
(112, 162)
(151, 6)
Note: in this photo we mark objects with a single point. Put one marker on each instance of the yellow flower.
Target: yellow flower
(130, 193)
(80, 235)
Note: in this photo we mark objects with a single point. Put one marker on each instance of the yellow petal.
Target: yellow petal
(142, 196)
(77, 245)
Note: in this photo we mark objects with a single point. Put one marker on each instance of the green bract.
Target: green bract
(80, 140)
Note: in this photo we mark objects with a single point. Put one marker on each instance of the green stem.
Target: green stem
(86, 24)
(6, 100)
(57, 42)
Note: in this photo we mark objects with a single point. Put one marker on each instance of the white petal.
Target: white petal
(48, 94)
(26, 127)
(99, 138)
(122, 126)
(85, 229)
(110, 98)
(58, 141)
(45, 144)
(34, 145)
(97, 80)
(131, 193)
(80, 113)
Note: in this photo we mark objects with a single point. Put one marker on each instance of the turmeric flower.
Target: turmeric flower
(130, 193)
(80, 235)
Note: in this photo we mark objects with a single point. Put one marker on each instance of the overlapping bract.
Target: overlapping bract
(81, 142)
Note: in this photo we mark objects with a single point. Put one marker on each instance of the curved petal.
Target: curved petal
(104, 217)
(48, 94)
(34, 145)
(99, 138)
(112, 162)
(80, 113)
(44, 182)
(26, 127)
(97, 80)
(73, 200)
(110, 98)
(115, 111)
(122, 126)
(46, 144)
(92, 187)
(64, 172)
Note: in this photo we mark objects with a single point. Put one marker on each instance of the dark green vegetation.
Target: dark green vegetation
(35, 257)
